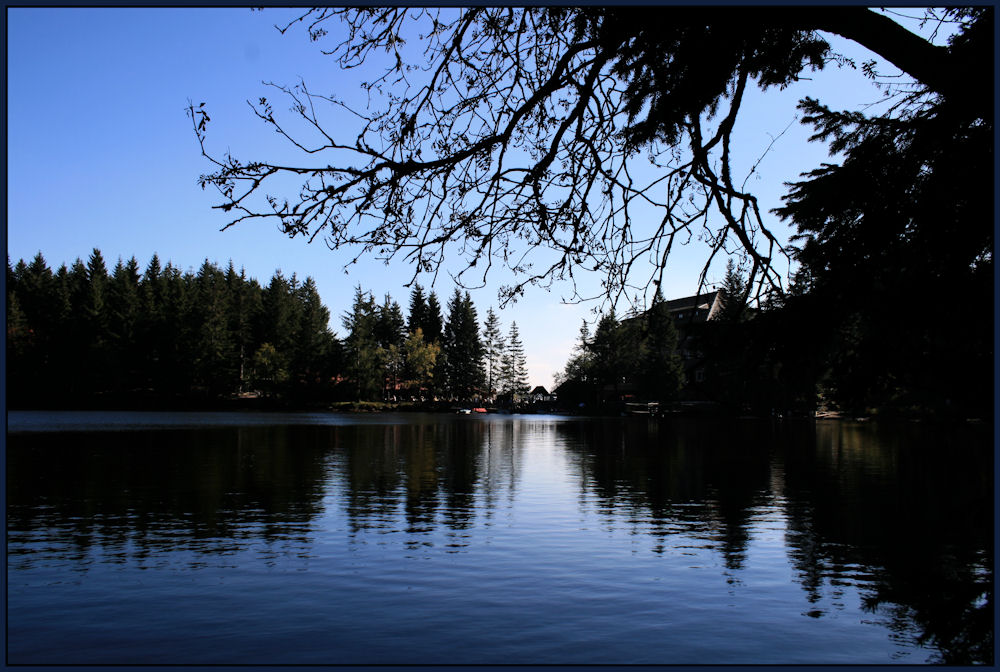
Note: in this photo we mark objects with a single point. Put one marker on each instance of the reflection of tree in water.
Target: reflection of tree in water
(135, 494)
(702, 480)
(904, 513)
(435, 471)
(901, 515)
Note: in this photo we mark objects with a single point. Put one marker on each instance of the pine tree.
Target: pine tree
(315, 336)
(96, 302)
(390, 334)
(278, 321)
(245, 306)
(37, 294)
(434, 322)
(434, 333)
(604, 351)
(65, 349)
(37, 299)
(733, 294)
(215, 364)
(361, 346)
(152, 327)
(661, 373)
(12, 280)
(514, 366)
(493, 346)
(418, 311)
(123, 321)
(176, 361)
(463, 349)
(98, 363)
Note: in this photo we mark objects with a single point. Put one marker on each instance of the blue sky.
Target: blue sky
(101, 153)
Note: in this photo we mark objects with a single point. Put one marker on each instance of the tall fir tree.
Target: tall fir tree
(514, 366)
(418, 314)
(316, 339)
(434, 320)
(390, 333)
(493, 348)
(604, 352)
(361, 346)
(124, 317)
(734, 289)
(661, 375)
(433, 333)
(214, 352)
(463, 348)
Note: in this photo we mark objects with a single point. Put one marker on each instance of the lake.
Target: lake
(204, 538)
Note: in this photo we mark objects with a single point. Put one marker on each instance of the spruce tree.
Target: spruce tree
(315, 336)
(361, 346)
(434, 325)
(493, 346)
(214, 352)
(418, 311)
(176, 361)
(433, 333)
(390, 333)
(95, 307)
(37, 294)
(604, 352)
(244, 307)
(733, 294)
(152, 341)
(98, 362)
(514, 366)
(124, 317)
(661, 375)
(463, 348)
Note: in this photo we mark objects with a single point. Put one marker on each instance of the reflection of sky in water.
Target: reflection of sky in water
(494, 540)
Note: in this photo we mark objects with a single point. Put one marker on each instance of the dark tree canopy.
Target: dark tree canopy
(524, 137)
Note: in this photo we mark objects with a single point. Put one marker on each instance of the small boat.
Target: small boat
(463, 411)
(479, 410)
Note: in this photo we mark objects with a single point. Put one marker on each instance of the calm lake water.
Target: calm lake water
(321, 538)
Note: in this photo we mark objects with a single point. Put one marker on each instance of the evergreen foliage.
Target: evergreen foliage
(81, 334)
(419, 311)
(513, 367)
(463, 349)
(636, 356)
(361, 347)
(734, 294)
(493, 349)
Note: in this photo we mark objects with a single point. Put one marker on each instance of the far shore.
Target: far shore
(161, 403)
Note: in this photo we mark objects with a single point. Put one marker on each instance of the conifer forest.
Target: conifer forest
(84, 336)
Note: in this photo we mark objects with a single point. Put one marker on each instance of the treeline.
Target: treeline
(858, 350)
(639, 353)
(430, 356)
(82, 334)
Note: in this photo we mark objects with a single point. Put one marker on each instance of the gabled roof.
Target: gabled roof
(704, 301)
(539, 390)
(684, 308)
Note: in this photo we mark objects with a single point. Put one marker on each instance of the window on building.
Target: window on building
(699, 375)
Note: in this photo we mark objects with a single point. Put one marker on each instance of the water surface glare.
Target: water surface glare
(322, 538)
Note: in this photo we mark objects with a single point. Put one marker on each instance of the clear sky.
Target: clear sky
(101, 154)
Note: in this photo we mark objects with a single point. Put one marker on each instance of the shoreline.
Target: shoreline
(263, 405)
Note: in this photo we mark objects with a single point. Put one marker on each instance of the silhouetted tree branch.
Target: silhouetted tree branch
(545, 140)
